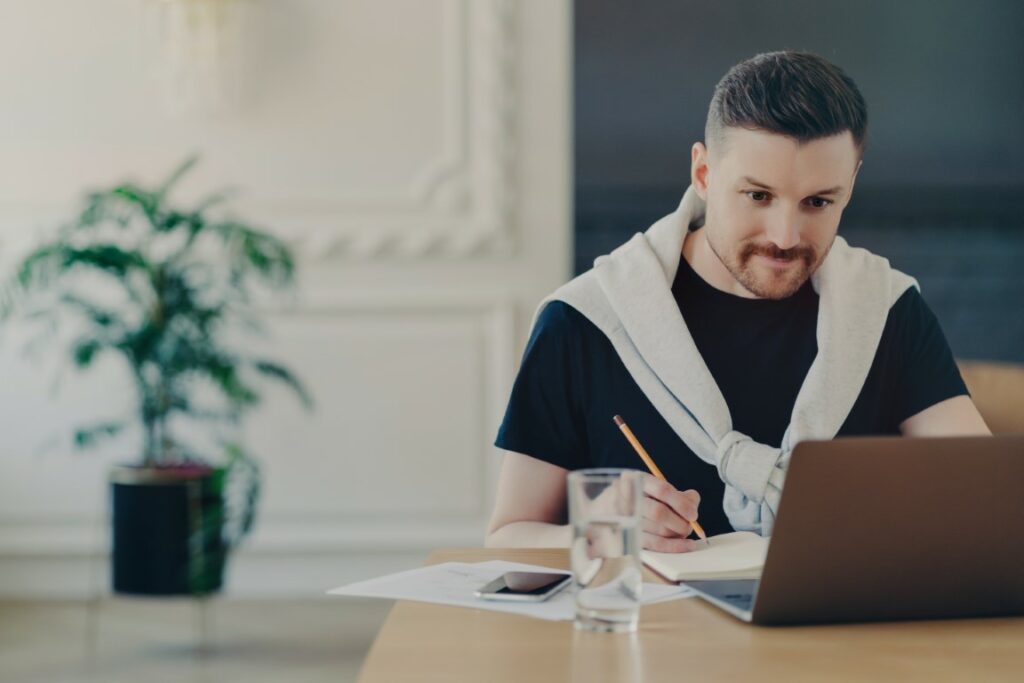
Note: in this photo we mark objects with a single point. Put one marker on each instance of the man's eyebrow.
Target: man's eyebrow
(832, 190)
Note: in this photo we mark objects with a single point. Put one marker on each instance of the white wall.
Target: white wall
(417, 154)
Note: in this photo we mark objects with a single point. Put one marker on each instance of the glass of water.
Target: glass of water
(605, 508)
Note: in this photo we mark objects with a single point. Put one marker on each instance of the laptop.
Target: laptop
(878, 529)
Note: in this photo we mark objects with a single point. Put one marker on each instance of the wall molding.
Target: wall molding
(460, 204)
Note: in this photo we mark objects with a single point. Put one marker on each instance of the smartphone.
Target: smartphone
(524, 586)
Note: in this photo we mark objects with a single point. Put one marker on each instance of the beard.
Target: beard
(765, 280)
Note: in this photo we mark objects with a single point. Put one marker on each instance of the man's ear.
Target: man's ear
(699, 169)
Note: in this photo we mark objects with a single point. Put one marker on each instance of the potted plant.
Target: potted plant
(161, 287)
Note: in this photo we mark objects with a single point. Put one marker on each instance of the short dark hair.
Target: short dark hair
(796, 94)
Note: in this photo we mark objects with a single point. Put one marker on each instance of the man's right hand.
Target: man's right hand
(666, 516)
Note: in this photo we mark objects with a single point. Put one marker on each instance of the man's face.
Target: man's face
(773, 205)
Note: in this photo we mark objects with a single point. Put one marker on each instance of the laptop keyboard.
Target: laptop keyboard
(742, 600)
(737, 592)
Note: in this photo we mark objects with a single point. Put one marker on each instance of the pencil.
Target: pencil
(651, 466)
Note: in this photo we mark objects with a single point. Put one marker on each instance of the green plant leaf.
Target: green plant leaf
(214, 199)
(84, 351)
(257, 252)
(222, 369)
(95, 211)
(8, 299)
(101, 317)
(110, 258)
(177, 175)
(148, 202)
(243, 491)
(283, 374)
(140, 344)
(103, 208)
(171, 220)
(90, 436)
(40, 267)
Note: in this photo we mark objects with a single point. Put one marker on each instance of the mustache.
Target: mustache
(804, 253)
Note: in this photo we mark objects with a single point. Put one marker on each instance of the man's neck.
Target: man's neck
(709, 267)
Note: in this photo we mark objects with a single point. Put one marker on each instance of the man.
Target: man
(730, 330)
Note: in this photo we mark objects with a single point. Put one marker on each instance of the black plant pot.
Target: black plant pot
(168, 530)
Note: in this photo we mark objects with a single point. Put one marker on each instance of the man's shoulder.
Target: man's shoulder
(559, 317)
(560, 325)
(911, 318)
(909, 306)
(909, 300)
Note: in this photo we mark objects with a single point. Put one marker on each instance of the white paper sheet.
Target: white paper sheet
(453, 583)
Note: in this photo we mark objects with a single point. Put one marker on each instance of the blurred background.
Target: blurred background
(436, 167)
(415, 157)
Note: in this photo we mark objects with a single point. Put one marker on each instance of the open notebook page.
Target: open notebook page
(739, 554)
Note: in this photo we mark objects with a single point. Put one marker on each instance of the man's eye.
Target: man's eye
(760, 197)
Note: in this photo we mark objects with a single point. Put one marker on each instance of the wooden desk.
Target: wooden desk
(682, 640)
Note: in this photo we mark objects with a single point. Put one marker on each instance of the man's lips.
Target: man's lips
(777, 262)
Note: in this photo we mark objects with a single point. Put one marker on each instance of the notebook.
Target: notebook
(736, 555)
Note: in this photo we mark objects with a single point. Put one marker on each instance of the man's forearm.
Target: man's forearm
(530, 535)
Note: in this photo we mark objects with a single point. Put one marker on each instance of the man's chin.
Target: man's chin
(774, 285)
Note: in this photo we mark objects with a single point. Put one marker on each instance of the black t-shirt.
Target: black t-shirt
(571, 382)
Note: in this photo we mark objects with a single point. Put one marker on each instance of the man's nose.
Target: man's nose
(782, 230)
